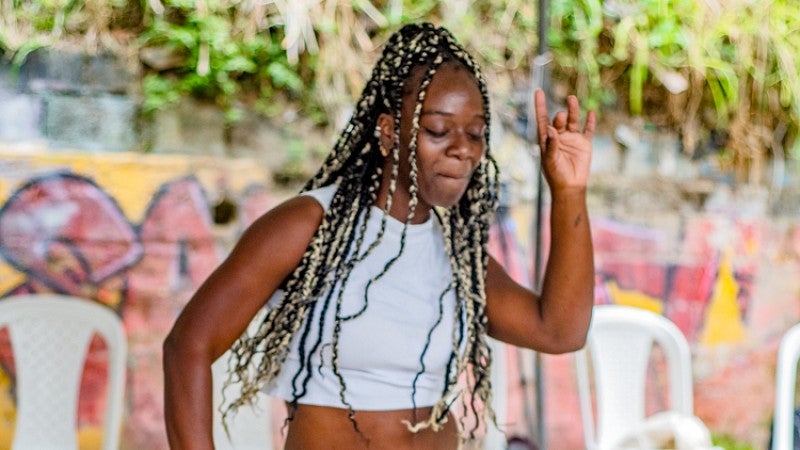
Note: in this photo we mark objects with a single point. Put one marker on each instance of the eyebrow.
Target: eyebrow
(445, 113)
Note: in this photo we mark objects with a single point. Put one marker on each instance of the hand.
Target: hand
(566, 150)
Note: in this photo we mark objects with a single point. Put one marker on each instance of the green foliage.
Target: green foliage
(685, 64)
(738, 60)
(221, 63)
(634, 35)
(39, 23)
(729, 443)
(509, 43)
(159, 93)
(574, 39)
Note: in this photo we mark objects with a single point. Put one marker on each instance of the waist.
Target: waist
(317, 427)
(364, 390)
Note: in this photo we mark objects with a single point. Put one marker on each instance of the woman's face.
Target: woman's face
(451, 137)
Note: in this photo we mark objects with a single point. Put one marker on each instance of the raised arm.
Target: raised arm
(558, 320)
(220, 311)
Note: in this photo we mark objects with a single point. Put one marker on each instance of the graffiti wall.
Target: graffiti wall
(729, 281)
(713, 277)
(139, 233)
(136, 233)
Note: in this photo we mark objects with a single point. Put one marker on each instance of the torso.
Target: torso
(379, 352)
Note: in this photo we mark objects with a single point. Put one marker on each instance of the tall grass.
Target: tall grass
(728, 66)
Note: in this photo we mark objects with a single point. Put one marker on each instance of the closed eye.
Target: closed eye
(436, 133)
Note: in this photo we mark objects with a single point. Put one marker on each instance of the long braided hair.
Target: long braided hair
(356, 165)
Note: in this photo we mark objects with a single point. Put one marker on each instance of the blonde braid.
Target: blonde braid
(355, 166)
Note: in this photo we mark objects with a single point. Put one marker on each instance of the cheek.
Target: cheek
(426, 158)
(480, 153)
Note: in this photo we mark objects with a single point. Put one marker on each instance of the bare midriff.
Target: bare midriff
(322, 427)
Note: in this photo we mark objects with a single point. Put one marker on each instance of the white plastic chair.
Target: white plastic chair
(250, 427)
(619, 343)
(785, 379)
(495, 438)
(50, 336)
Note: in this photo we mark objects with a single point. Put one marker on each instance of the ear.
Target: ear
(386, 123)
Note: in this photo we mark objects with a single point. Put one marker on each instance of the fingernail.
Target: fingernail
(551, 132)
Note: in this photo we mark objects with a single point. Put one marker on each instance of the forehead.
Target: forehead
(450, 79)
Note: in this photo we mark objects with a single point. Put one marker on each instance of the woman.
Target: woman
(378, 286)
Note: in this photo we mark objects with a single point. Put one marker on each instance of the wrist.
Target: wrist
(569, 193)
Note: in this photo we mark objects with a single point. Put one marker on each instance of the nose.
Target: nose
(460, 147)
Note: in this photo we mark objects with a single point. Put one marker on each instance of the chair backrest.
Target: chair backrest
(50, 336)
(785, 379)
(619, 344)
(495, 438)
(251, 425)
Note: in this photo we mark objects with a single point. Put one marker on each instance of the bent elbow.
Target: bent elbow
(573, 338)
(567, 344)
(575, 344)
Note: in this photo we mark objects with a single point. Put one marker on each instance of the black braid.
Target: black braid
(355, 165)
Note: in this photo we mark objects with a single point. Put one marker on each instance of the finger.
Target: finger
(552, 141)
(574, 114)
(542, 119)
(591, 123)
(560, 121)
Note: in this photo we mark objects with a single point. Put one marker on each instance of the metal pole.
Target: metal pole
(540, 79)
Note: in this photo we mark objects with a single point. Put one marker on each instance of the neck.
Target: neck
(400, 200)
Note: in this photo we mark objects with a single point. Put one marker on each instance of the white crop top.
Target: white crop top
(379, 351)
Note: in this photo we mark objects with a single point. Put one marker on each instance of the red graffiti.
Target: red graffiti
(68, 236)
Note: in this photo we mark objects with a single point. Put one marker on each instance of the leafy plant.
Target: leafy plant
(26, 25)
(729, 443)
(699, 67)
(223, 56)
(738, 61)
(575, 38)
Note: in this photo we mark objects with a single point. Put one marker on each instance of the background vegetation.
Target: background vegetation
(722, 73)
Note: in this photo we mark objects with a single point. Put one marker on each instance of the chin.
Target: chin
(445, 195)
(448, 201)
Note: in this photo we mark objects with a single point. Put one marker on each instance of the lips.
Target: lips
(460, 176)
(459, 173)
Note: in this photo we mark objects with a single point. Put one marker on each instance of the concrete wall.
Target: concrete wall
(62, 101)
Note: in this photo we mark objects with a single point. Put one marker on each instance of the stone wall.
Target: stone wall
(62, 100)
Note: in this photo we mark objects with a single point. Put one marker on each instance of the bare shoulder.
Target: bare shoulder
(301, 214)
(267, 252)
(285, 230)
